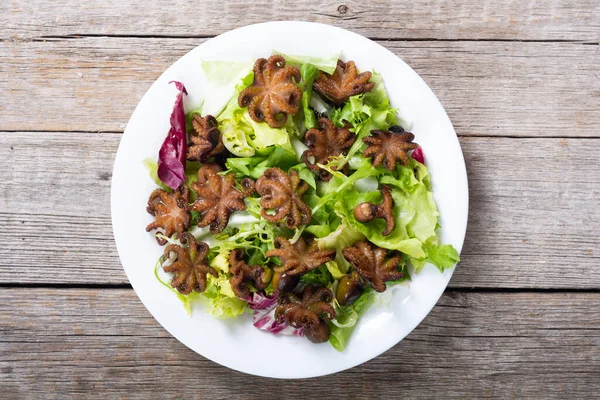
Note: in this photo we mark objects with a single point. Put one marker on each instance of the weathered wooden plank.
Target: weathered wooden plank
(102, 343)
(488, 88)
(534, 220)
(455, 19)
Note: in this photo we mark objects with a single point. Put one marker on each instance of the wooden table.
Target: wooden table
(521, 82)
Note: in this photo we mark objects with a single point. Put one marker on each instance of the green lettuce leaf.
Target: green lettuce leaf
(221, 80)
(152, 167)
(441, 255)
(219, 300)
(319, 231)
(305, 174)
(342, 237)
(261, 136)
(234, 128)
(254, 167)
(309, 73)
(347, 320)
(326, 64)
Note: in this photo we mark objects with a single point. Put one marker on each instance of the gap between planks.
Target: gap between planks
(449, 290)
(74, 36)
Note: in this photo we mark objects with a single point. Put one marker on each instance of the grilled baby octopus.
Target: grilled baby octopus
(243, 273)
(344, 82)
(218, 197)
(206, 139)
(324, 142)
(296, 259)
(170, 210)
(282, 193)
(374, 264)
(389, 147)
(190, 266)
(273, 94)
(309, 312)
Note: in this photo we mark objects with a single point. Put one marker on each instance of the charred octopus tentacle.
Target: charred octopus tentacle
(218, 197)
(325, 142)
(243, 273)
(365, 212)
(308, 312)
(296, 259)
(273, 95)
(190, 266)
(281, 193)
(390, 147)
(343, 83)
(171, 212)
(374, 264)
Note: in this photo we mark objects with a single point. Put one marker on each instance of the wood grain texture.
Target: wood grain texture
(488, 88)
(534, 218)
(103, 343)
(397, 19)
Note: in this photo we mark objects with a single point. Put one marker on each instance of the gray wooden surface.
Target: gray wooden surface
(520, 81)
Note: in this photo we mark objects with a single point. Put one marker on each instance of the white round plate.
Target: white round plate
(236, 343)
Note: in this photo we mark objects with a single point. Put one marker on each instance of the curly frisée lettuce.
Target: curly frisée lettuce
(254, 147)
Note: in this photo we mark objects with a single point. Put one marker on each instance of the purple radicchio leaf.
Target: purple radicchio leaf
(263, 308)
(171, 156)
(418, 155)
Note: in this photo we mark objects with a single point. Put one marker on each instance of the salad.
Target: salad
(293, 193)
